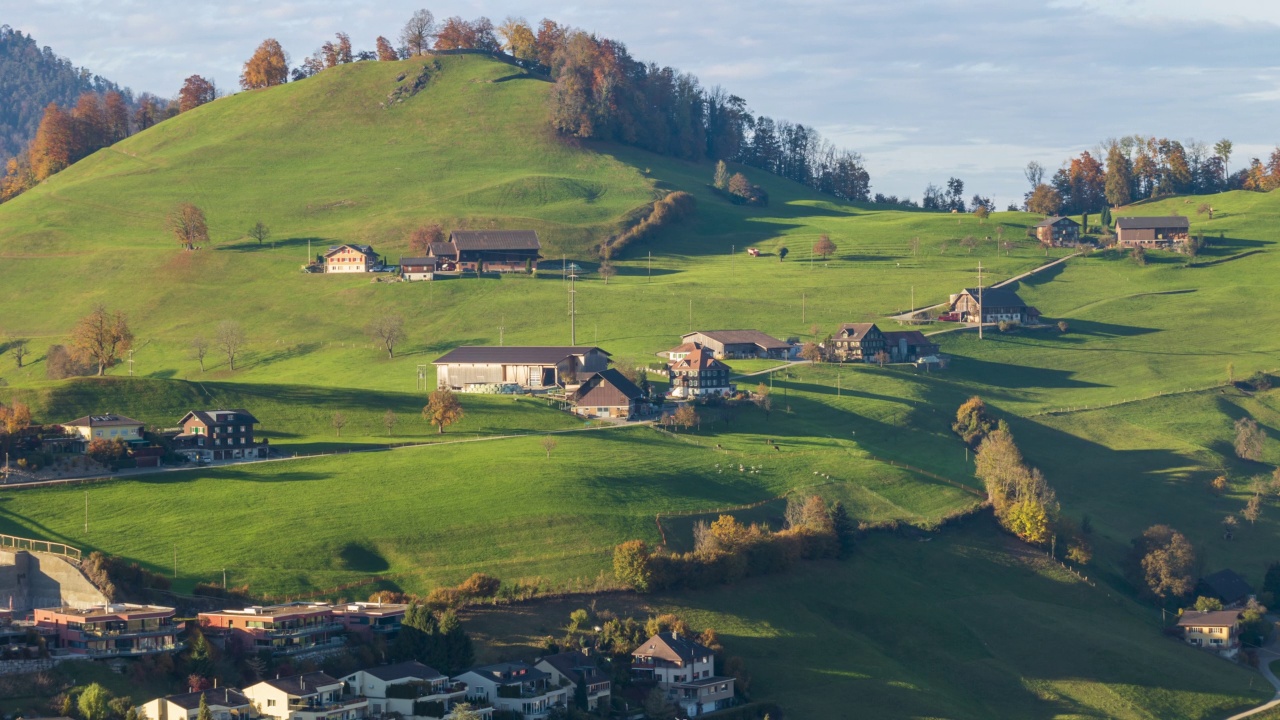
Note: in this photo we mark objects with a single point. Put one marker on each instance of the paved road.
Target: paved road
(784, 366)
(1266, 655)
(906, 316)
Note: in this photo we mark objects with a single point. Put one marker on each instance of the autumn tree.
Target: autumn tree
(187, 223)
(1024, 503)
(420, 239)
(721, 179)
(259, 232)
(15, 418)
(389, 421)
(101, 338)
(339, 422)
(54, 144)
(811, 351)
(824, 247)
(1253, 509)
(442, 409)
(973, 422)
(386, 51)
(763, 398)
(342, 48)
(268, 67)
(548, 444)
(1166, 562)
(1249, 439)
(1044, 200)
(607, 270)
(518, 39)
(1119, 178)
(685, 416)
(196, 91)
(229, 337)
(387, 330)
(981, 212)
(199, 349)
(881, 358)
(631, 564)
(418, 32)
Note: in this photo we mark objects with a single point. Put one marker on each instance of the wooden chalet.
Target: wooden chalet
(908, 345)
(1056, 231)
(998, 305)
(856, 342)
(219, 435)
(418, 268)
(1152, 232)
(473, 368)
(729, 344)
(488, 251)
(607, 394)
(697, 374)
(350, 258)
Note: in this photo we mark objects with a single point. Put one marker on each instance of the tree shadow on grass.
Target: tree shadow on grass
(318, 244)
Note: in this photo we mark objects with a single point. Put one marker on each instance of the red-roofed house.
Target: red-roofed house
(685, 669)
(698, 374)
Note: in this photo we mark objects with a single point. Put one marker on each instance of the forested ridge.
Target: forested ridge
(31, 77)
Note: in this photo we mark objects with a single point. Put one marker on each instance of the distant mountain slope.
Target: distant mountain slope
(31, 77)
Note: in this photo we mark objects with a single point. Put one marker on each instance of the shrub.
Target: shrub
(61, 364)
(673, 208)
(1062, 326)
(443, 598)
(480, 585)
(972, 421)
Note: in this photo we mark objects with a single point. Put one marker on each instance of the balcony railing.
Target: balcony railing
(307, 630)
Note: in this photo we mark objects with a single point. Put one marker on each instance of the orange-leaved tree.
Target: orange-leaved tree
(269, 66)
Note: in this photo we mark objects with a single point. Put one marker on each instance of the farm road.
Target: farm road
(906, 316)
(1267, 654)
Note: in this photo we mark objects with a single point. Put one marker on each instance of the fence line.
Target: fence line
(20, 543)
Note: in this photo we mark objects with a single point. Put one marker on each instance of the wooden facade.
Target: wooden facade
(418, 268)
(856, 342)
(908, 346)
(219, 435)
(998, 305)
(350, 258)
(697, 374)
(533, 368)
(488, 251)
(729, 344)
(1153, 232)
(607, 394)
(1057, 231)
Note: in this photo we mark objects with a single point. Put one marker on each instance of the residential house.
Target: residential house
(1214, 629)
(908, 345)
(730, 344)
(223, 703)
(1056, 231)
(685, 669)
(576, 667)
(350, 258)
(856, 342)
(108, 426)
(607, 394)
(698, 374)
(109, 631)
(409, 689)
(998, 304)
(219, 435)
(293, 629)
(310, 696)
(371, 619)
(418, 268)
(515, 687)
(469, 367)
(1152, 232)
(488, 251)
(680, 351)
(1225, 585)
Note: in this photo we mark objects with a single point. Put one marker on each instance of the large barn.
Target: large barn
(467, 368)
(488, 251)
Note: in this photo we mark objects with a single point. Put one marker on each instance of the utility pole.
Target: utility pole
(130, 362)
(802, 308)
(913, 298)
(690, 314)
(86, 512)
(175, 561)
(980, 317)
(502, 326)
(224, 578)
(573, 326)
(422, 378)
(650, 279)
(733, 249)
(837, 381)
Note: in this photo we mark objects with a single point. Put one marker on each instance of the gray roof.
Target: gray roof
(417, 261)
(445, 249)
(512, 355)
(224, 697)
(1054, 220)
(511, 672)
(574, 664)
(207, 416)
(305, 684)
(741, 337)
(1166, 222)
(366, 249)
(495, 240)
(107, 420)
(857, 330)
(400, 671)
(998, 297)
(1227, 585)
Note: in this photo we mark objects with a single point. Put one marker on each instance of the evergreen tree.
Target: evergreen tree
(459, 654)
(843, 527)
(1106, 217)
(204, 713)
(580, 694)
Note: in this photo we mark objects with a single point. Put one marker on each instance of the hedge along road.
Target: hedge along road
(409, 446)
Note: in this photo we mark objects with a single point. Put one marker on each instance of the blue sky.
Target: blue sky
(924, 89)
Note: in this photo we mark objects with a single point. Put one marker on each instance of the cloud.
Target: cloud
(924, 88)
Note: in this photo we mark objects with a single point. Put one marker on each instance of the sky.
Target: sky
(924, 89)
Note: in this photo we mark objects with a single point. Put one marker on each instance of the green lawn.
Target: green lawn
(953, 628)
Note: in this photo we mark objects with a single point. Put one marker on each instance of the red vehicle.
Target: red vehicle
(949, 317)
(753, 252)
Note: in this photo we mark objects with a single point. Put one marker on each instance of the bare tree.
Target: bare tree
(882, 358)
(387, 331)
(1253, 509)
(607, 270)
(18, 346)
(339, 422)
(230, 339)
(188, 225)
(763, 399)
(824, 247)
(101, 337)
(259, 232)
(418, 32)
(1249, 439)
(389, 420)
(199, 348)
(549, 444)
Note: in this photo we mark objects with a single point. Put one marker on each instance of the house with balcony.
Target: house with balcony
(411, 689)
(293, 629)
(1057, 231)
(699, 374)
(856, 342)
(579, 667)
(1217, 630)
(110, 631)
(310, 696)
(107, 426)
(219, 435)
(515, 687)
(371, 619)
(685, 670)
(993, 305)
(350, 258)
(223, 704)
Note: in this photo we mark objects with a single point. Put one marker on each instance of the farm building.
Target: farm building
(418, 268)
(488, 251)
(1056, 230)
(680, 351)
(1225, 585)
(1213, 629)
(350, 258)
(607, 394)
(728, 344)
(998, 305)
(534, 368)
(219, 435)
(698, 374)
(1152, 232)
(908, 345)
(856, 342)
